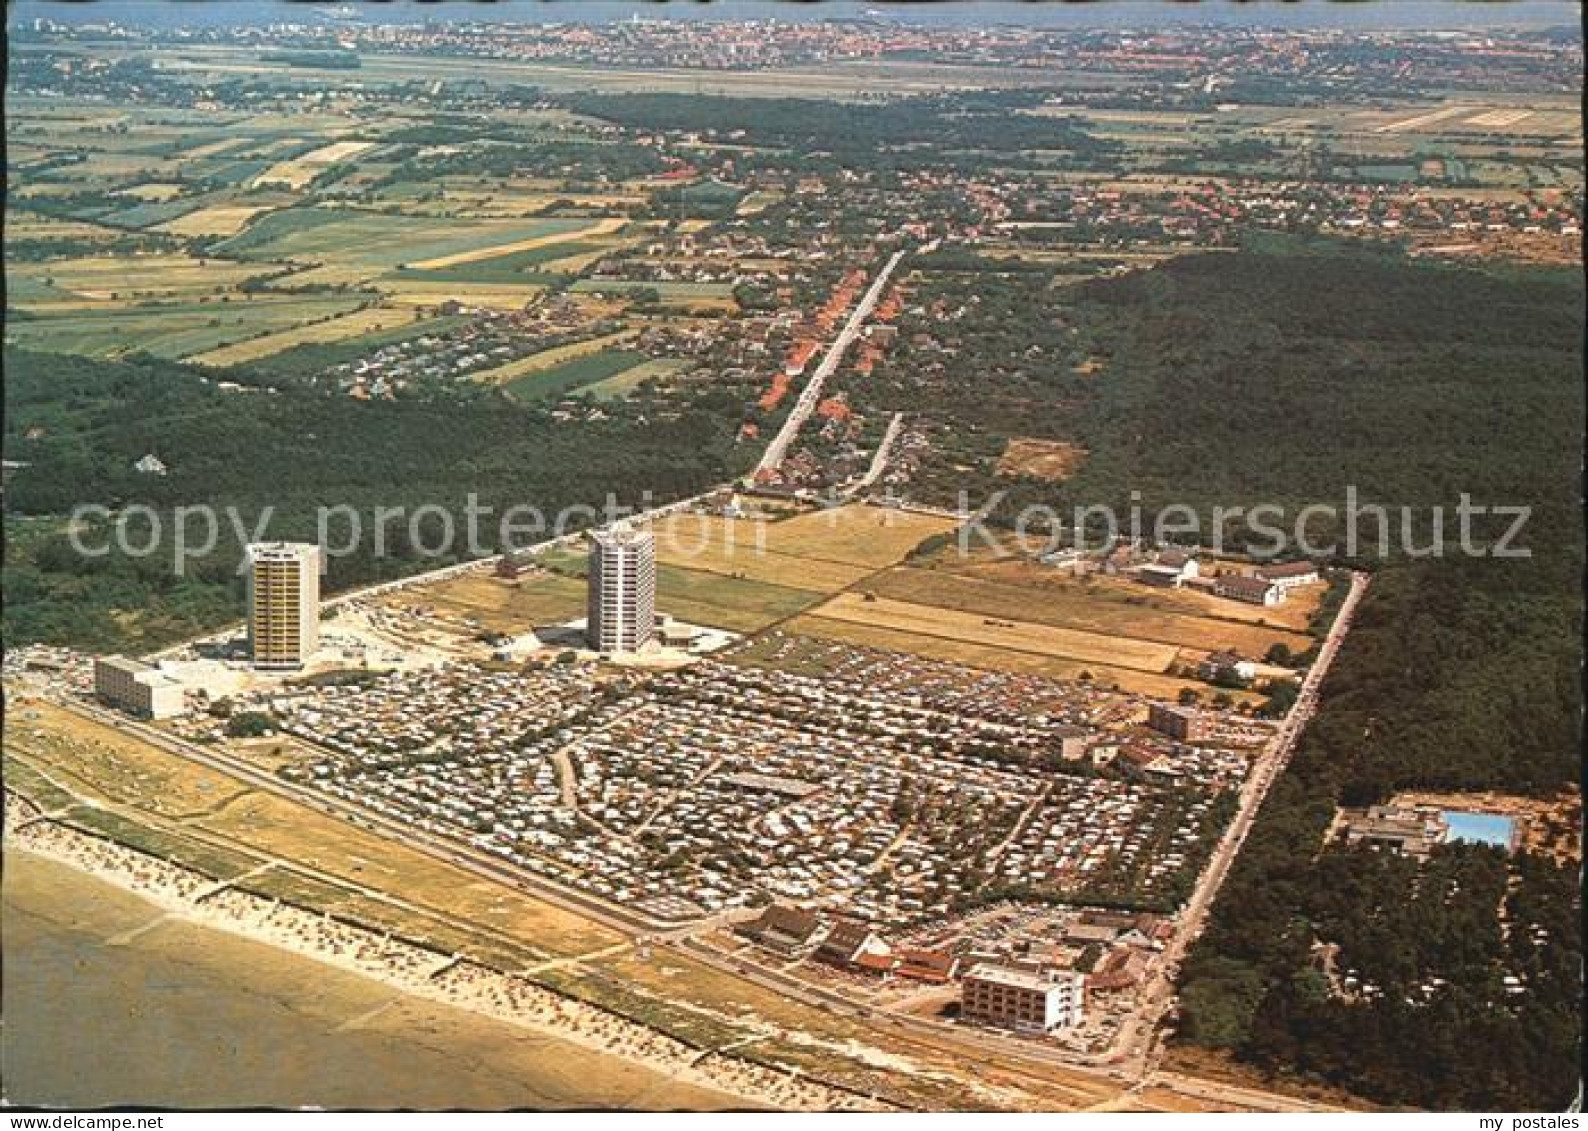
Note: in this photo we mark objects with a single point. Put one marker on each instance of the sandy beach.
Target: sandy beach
(186, 896)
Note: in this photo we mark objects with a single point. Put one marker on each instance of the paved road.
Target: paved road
(1141, 1038)
(1029, 1055)
(879, 461)
(778, 448)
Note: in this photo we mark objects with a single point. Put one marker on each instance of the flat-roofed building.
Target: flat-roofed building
(1184, 723)
(1410, 831)
(138, 688)
(283, 604)
(1027, 1000)
(621, 599)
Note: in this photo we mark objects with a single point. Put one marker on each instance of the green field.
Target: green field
(624, 383)
(514, 267)
(682, 293)
(175, 331)
(577, 373)
(714, 599)
(377, 239)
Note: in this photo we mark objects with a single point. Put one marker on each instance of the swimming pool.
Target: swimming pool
(1479, 828)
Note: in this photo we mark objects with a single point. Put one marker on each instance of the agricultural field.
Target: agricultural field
(573, 375)
(857, 535)
(920, 619)
(379, 239)
(174, 332)
(1093, 605)
(552, 359)
(359, 323)
(107, 280)
(513, 607)
(625, 382)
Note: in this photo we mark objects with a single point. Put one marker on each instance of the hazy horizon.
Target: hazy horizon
(1108, 14)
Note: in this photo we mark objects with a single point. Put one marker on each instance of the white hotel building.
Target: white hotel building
(283, 604)
(1024, 999)
(621, 607)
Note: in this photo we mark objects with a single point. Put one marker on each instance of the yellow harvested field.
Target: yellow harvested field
(336, 151)
(1110, 608)
(855, 534)
(494, 296)
(573, 264)
(155, 192)
(221, 220)
(331, 330)
(599, 228)
(300, 171)
(501, 605)
(985, 656)
(545, 359)
(108, 278)
(1021, 636)
(737, 548)
(212, 148)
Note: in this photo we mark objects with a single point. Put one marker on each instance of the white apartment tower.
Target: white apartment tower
(283, 604)
(622, 596)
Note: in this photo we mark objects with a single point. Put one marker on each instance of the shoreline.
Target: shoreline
(412, 970)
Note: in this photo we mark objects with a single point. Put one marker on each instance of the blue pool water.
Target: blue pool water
(1479, 828)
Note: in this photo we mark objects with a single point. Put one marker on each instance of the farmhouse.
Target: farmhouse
(1252, 590)
(1226, 665)
(1286, 576)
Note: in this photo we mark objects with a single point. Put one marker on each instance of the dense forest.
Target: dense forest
(1238, 379)
(79, 425)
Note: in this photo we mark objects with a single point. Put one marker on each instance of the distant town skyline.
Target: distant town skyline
(1113, 14)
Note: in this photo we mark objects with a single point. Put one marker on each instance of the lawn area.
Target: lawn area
(737, 604)
(353, 856)
(97, 762)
